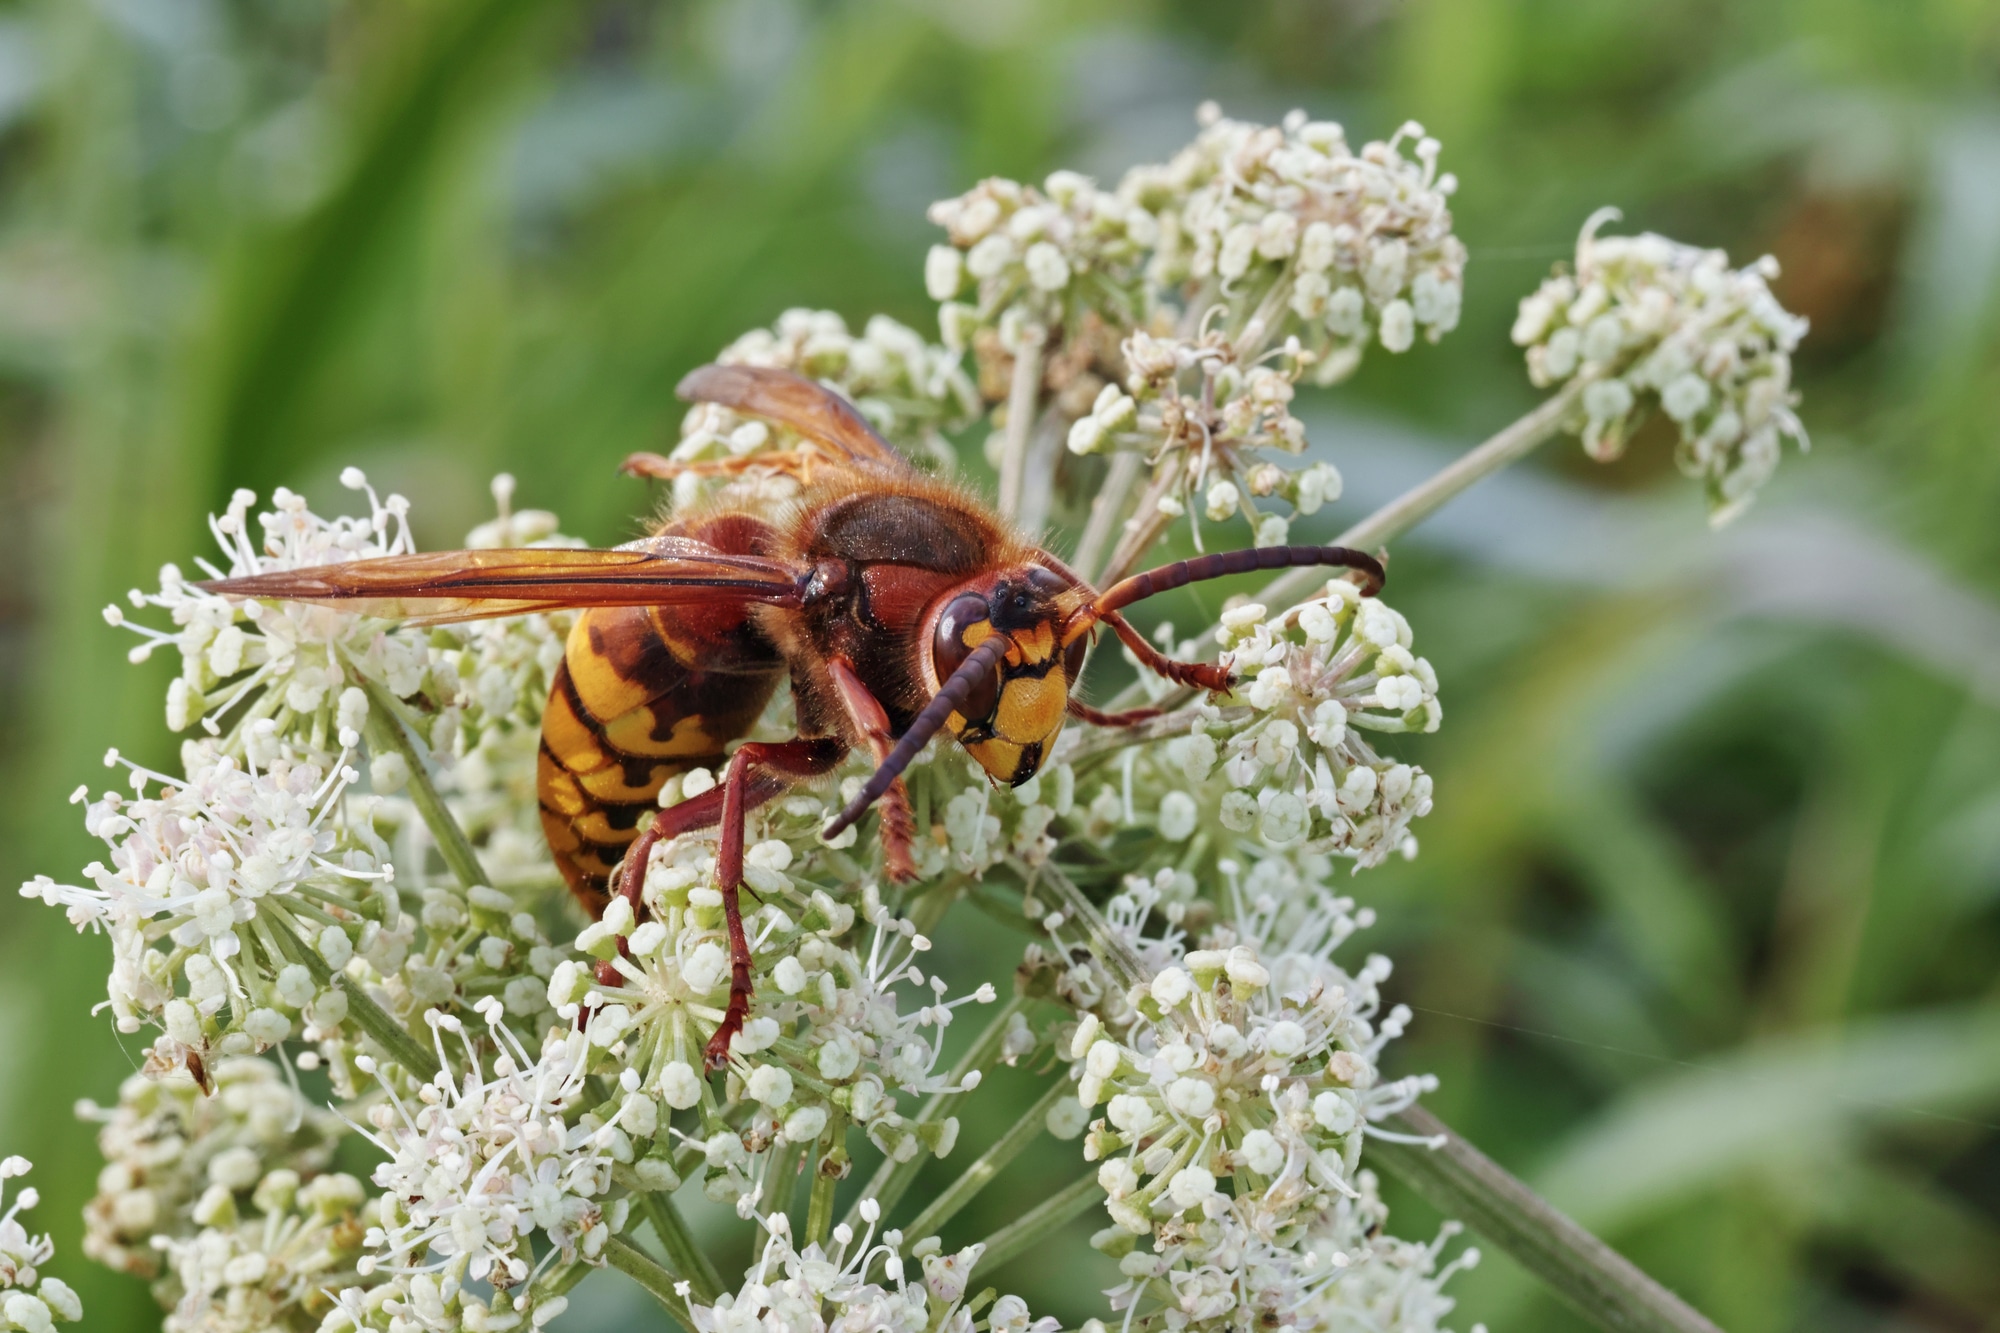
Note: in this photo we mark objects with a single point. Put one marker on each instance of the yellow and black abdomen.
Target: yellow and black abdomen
(643, 694)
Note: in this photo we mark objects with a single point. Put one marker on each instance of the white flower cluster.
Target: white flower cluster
(1038, 260)
(1369, 1279)
(479, 1161)
(265, 1261)
(1198, 411)
(1179, 312)
(907, 389)
(813, 1290)
(1299, 771)
(423, 1303)
(829, 1041)
(225, 1199)
(218, 883)
(292, 665)
(30, 1301)
(1647, 322)
(1235, 1099)
(1338, 246)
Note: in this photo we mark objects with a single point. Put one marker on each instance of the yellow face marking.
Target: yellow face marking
(1031, 709)
(1000, 758)
(1032, 646)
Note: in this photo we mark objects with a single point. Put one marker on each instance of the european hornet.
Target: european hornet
(899, 606)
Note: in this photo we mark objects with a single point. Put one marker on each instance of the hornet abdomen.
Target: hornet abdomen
(645, 693)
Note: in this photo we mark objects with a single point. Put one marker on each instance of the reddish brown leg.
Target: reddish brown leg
(865, 711)
(1130, 717)
(630, 877)
(781, 765)
(1215, 676)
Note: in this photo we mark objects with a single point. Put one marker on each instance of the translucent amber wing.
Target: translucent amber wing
(442, 586)
(811, 409)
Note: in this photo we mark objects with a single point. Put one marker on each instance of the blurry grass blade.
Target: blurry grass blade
(1689, 1133)
(296, 290)
(1925, 1233)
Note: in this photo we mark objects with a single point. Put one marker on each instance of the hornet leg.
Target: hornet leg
(1130, 717)
(756, 772)
(864, 710)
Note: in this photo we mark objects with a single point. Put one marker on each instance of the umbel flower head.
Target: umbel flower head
(1289, 764)
(29, 1300)
(831, 1038)
(1647, 323)
(1337, 247)
(269, 1261)
(179, 1164)
(483, 1156)
(211, 878)
(817, 1290)
(1236, 1092)
(1066, 257)
(291, 664)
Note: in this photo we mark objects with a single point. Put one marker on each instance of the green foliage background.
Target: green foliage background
(1704, 932)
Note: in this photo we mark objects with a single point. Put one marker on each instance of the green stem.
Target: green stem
(1463, 1182)
(1041, 1221)
(394, 1039)
(1023, 398)
(892, 1179)
(642, 1268)
(1116, 956)
(1511, 444)
(1105, 509)
(386, 733)
(558, 1281)
(976, 1177)
(829, 1167)
(686, 1257)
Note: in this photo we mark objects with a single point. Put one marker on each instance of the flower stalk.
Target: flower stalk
(685, 1256)
(642, 1268)
(1603, 1285)
(1509, 445)
(394, 1039)
(1033, 1122)
(1039, 1222)
(1023, 395)
(386, 735)
(892, 1179)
